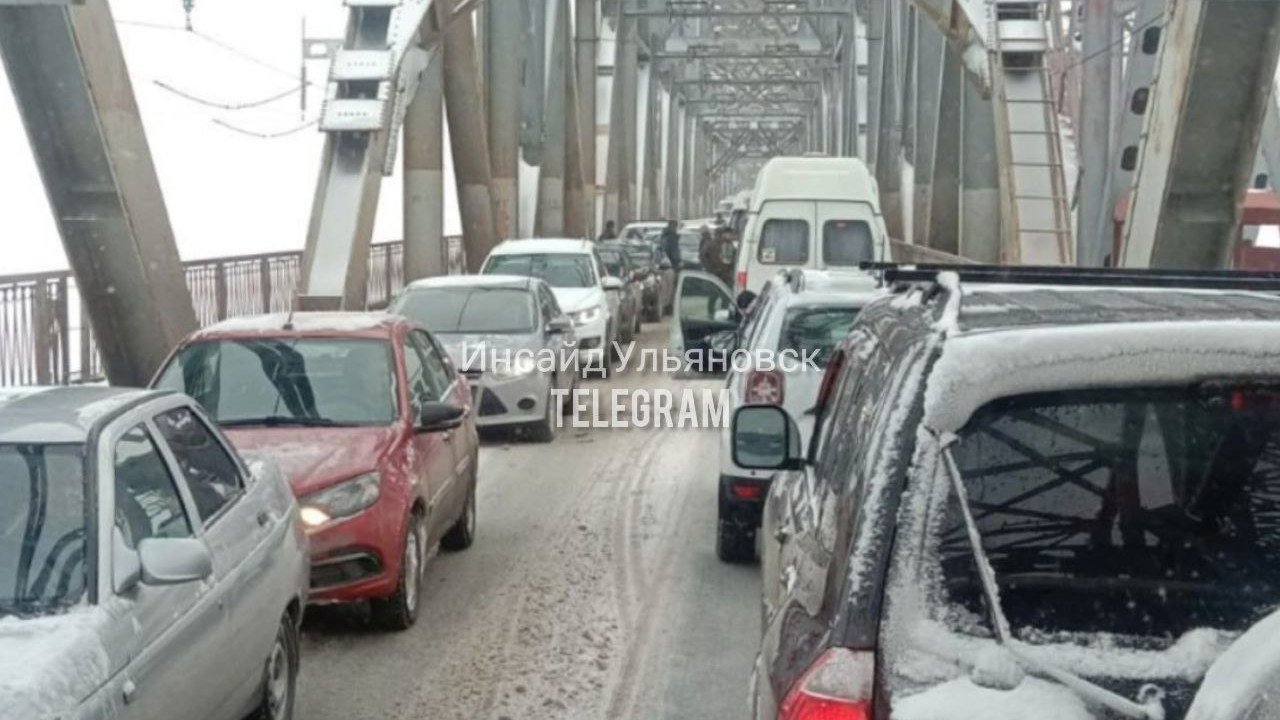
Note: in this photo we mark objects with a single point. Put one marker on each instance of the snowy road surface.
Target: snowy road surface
(592, 593)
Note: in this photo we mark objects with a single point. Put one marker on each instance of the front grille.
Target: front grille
(490, 404)
(343, 569)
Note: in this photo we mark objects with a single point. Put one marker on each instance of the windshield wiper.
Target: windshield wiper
(277, 421)
(1151, 709)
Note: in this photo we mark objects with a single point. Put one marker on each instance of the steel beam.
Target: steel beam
(980, 221)
(889, 127)
(577, 200)
(930, 48)
(468, 136)
(68, 73)
(943, 218)
(424, 246)
(1208, 106)
(503, 69)
(551, 182)
(1095, 132)
(587, 32)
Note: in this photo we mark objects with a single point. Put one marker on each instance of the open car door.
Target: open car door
(705, 320)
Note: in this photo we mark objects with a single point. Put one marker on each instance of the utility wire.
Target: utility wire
(246, 56)
(1153, 22)
(226, 106)
(262, 135)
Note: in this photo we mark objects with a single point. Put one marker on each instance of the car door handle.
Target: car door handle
(782, 535)
(264, 518)
(129, 692)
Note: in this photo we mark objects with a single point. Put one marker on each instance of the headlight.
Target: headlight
(342, 500)
(584, 317)
(518, 367)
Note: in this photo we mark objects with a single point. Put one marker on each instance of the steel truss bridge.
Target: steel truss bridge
(1060, 132)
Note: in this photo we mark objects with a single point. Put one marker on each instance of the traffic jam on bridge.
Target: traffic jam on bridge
(787, 360)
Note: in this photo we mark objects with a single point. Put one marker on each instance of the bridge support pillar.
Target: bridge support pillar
(424, 248)
(68, 73)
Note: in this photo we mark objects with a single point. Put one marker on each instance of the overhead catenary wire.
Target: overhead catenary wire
(265, 135)
(249, 105)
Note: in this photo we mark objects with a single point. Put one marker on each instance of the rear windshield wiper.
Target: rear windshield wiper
(280, 422)
(1088, 691)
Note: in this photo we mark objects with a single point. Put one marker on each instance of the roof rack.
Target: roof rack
(1072, 276)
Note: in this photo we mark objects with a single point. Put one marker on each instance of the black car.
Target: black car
(655, 275)
(1023, 495)
(618, 264)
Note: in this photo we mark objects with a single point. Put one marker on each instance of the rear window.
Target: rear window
(559, 270)
(816, 330)
(847, 242)
(784, 242)
(1143, 513)
(470, 310)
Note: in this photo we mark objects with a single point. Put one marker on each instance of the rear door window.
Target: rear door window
(847, 243)
(816, 332)
(784, 242)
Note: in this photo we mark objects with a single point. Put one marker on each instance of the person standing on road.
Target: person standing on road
(671, 244)
(718, 252)
(610, 232)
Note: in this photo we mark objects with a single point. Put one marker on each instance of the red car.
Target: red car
(371, 423)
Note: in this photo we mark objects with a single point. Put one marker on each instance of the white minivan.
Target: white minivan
(817, 213)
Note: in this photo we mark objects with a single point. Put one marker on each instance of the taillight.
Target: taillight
(837, 687)
(766, 387)
(742, 280)
(747, 491)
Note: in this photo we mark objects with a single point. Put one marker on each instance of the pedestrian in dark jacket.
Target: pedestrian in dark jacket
(610, 232)
(671, 244)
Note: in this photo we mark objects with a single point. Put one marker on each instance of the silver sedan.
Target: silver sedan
(146, 572)
(511, 340)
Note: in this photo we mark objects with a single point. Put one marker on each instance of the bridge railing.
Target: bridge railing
(45, 337)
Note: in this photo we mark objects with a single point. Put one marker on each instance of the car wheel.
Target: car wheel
(544, 430)
(400, 611)
(463, 532)
(734, 543)
(280, 675)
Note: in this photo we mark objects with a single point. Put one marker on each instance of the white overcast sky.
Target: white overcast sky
(227, 194)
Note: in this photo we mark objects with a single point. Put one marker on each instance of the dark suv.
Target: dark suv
(1031, 495)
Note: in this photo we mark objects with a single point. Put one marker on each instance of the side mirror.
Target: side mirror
(126, 566)
(745, 299)
(559, 326)
(440, 417)
(611, 283)
(174, 561)
(766, 438)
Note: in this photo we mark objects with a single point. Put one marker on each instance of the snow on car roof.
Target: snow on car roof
(465, 281)
(977, 368)
(61, 414)
(542, 247)
(337, 322)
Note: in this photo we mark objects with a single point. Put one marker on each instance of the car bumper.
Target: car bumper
(357, 558)
(593, 339)
(742, 499)
(512, 401)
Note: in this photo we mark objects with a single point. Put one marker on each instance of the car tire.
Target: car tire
(463, 533)
(734, 543)
(280, 675)
(544, 430)
(400, 610)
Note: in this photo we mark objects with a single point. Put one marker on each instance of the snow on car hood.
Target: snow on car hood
(468, 348)
(575, 299)
(49, 665)
(315, 458)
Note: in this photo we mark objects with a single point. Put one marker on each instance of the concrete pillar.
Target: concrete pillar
(888, 155)
(875, 74)
(615, 175)
(423, 156)
(68, 74)
(468, 135)
(1095, 131)
(943, 221)
(504, 53)
(671, 167)
(587, 33)
(930, 47)
(651, 204)
(980, 225)
(550, 218)
(578, 202)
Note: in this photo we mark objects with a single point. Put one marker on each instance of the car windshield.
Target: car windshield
(44, 527)
(1143, 512)
(559, 270)
(474, 310)
(288, 381)
(817, 331)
